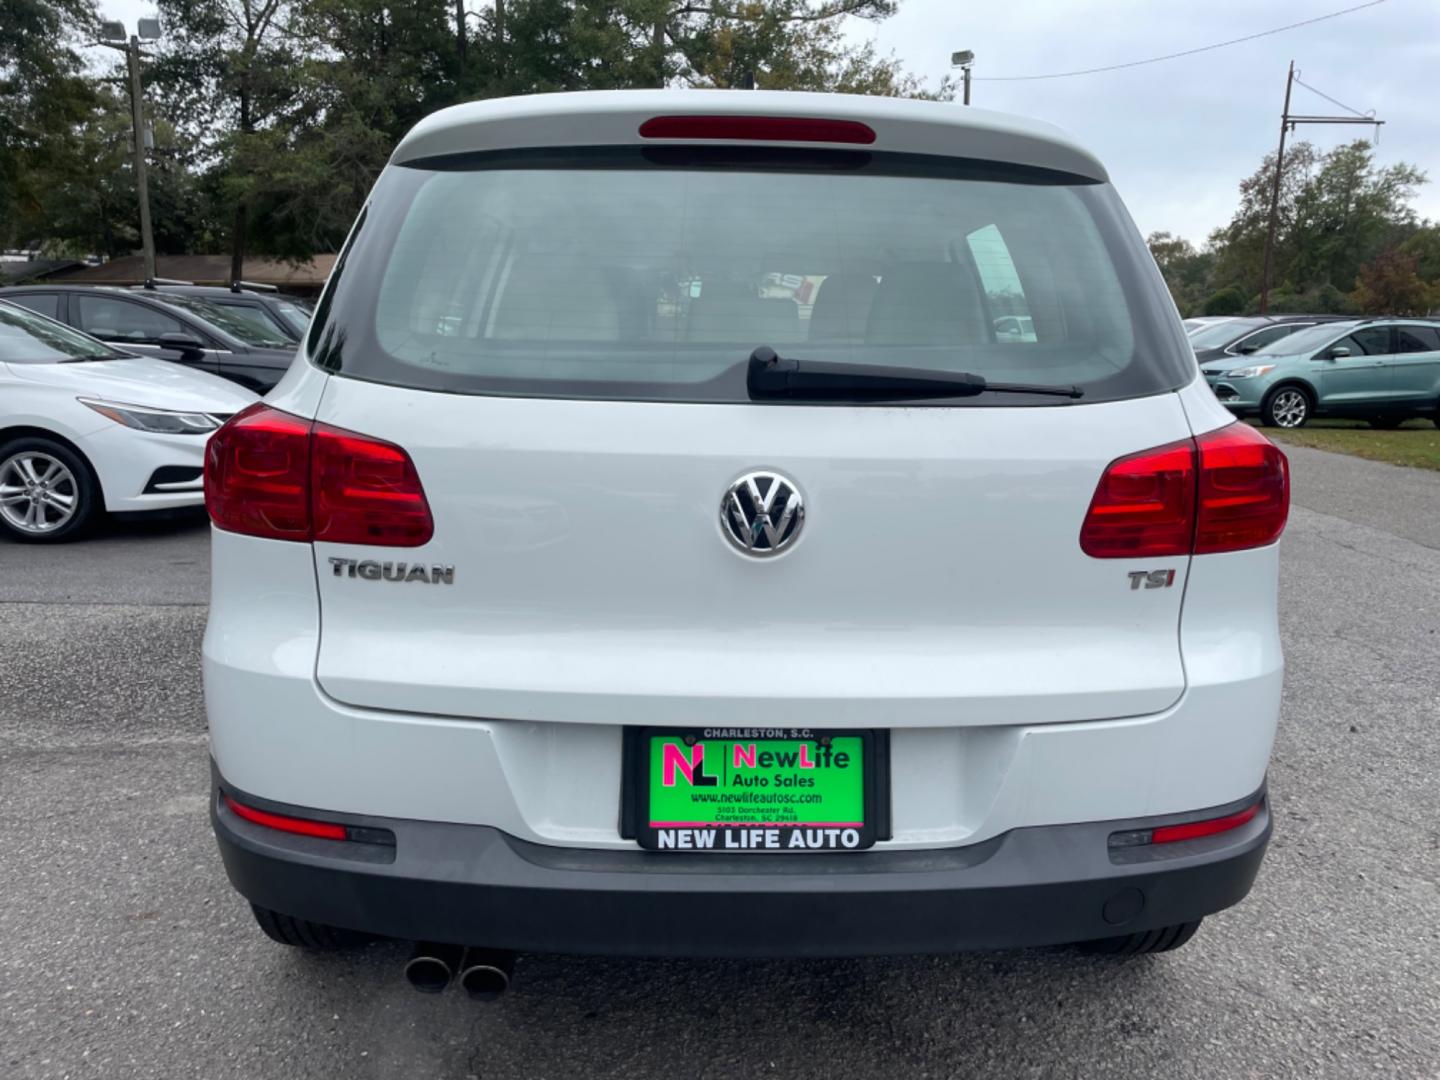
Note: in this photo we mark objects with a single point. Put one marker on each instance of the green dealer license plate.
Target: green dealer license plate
(756, 790)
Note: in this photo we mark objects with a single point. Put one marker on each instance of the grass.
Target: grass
(1416, 443)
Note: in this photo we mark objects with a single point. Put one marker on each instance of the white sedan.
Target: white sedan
(86, 428)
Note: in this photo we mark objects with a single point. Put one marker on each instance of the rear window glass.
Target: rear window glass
(645, 275)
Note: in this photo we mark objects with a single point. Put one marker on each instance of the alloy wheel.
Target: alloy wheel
(38, 493)
(1289, 409)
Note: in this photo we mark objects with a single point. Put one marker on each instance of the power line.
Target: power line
(1177, 55)
(1330, 99)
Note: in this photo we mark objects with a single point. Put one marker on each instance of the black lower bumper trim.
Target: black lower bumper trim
(476, 885)
(166, 479)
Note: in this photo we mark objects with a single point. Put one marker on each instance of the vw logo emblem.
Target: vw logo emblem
(762, 514)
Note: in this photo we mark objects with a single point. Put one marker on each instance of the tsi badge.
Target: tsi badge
(1151, 579)
(371, 570)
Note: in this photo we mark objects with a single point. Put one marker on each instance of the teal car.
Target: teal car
(1382, 370)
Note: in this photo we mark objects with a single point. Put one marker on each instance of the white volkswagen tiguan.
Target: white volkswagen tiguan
(658, 549)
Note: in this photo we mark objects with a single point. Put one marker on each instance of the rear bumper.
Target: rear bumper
(474, 884)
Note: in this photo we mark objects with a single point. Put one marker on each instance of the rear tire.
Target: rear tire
(1286, 407)
(304, 934)
(1144, 942)
(48, 492)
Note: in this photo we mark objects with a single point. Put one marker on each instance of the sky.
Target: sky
(1177, 136)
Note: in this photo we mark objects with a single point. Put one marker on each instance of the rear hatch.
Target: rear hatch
(560, 343)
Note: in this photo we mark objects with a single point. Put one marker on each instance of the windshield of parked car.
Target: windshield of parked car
(297, 312)
(232, 320)
(1220, 334)
(263, 321)
(650, 275)
(28, 338)
(1307, 340)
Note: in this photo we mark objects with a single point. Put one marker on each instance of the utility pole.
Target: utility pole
(114, 37)
(460, 33)
(142, 183)
(1275, 194)
(1288, 123)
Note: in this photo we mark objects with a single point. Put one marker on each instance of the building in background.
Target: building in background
(304, 278)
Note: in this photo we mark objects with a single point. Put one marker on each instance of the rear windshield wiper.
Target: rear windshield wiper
(769, 376)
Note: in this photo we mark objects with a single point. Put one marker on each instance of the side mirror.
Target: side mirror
(191, 348)
(1246, 350)
(1337, 352)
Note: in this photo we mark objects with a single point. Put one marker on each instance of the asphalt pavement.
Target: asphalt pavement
(123, 952)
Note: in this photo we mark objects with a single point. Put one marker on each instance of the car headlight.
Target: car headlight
(1250, 372)
(160, 421)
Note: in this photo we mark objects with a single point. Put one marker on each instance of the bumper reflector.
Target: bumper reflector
(1190, 830)
(325, 830)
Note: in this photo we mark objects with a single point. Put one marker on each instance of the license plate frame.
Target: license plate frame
(639, 774)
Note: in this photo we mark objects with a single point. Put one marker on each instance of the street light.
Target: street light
(963, 59)
(112, 33)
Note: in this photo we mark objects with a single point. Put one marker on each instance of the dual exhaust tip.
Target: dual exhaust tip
(484, 974)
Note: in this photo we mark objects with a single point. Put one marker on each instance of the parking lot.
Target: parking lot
(123, 952)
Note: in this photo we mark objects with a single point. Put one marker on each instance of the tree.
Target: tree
(369, 71)
(528, 46)
(1337, 211)
(273, 117)
(235, 59)
(1186, 270)
(1348, 213)
(775, 45)
(1228, 301)
(1240, 245)
(44, 100)
(1424, 244)
(1318, 300)
(1390, 284)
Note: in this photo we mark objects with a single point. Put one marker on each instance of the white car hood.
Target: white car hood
(141, 381)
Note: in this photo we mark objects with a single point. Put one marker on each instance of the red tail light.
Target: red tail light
(1224, 491)
(257, 474)
(1244, 490)
(1144, 505)
(364, 491)
(271, 474)
(758, 129)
